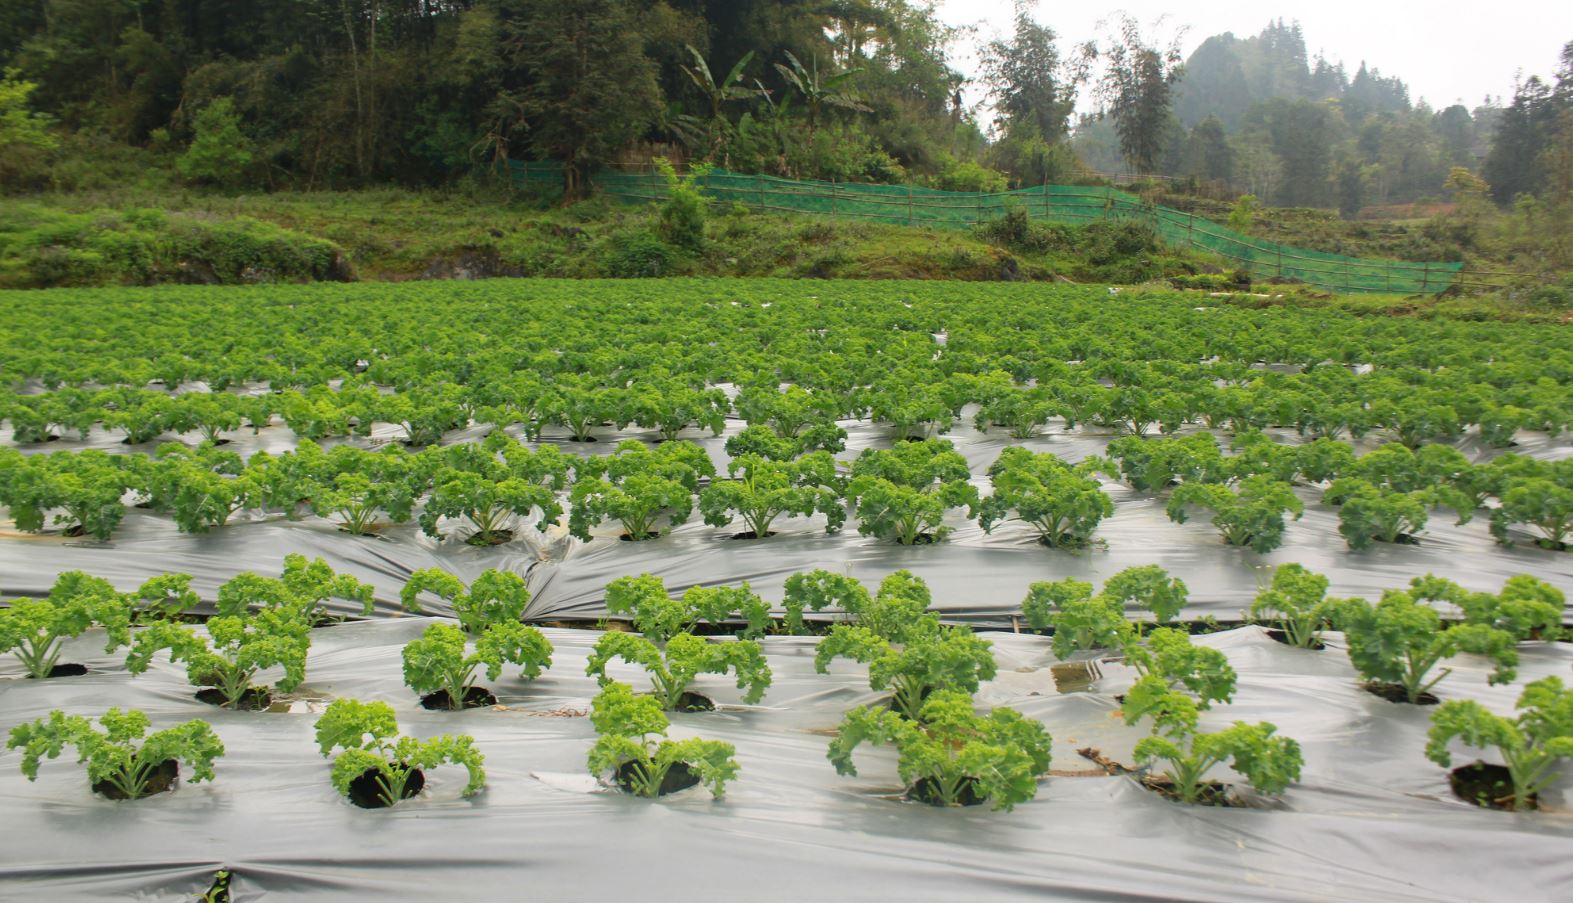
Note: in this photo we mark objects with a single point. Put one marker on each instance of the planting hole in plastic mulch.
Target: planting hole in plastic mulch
(750, 534)
(1397, 693)
(1487, 786)
(1551, 546)
(1214, 793)
(474, 698)
(1282, 637)
(1074, 677)
(366, 790)
(497, 538)
(926, 790)
(74, 531)
(629, 537)
(68, 671)
(160, 781)
(253, 700)
(678, 777)
(694, 702)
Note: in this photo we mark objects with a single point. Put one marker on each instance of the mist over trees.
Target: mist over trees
(302, 94)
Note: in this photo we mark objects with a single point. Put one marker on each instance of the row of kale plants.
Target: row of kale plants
(1138, 397)
(902, 494)
(948, 753)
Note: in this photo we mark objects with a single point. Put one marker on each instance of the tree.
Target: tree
(1138, 88)
(820, 91)
(1028, 82)
(590, 88)
(220, 152)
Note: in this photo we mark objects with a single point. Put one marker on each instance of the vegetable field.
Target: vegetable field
(966, 589)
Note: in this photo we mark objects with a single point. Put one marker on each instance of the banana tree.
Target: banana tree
(820, 91)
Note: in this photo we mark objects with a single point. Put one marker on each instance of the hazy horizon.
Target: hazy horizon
(1420, 47)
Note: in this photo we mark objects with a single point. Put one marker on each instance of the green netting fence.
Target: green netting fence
(911, 205)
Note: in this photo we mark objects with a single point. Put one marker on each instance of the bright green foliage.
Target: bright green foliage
(1252, 517)
(1269, 763)
(86, 486)
(683, 658)
(437, 661)
(425, 413)
(1148, 586)
(1400, 641)
(789, 411)
(163, 598)
(1297, 601)
(235, 648)
(1530, 745)
(659, 617)
(1323, 459)
(494, 598)
(1368, 513)
(353, 485)
(1062, 503)
(927, 659)
(671, 407)
(368, 735)
(1021, 411)
(33, 629)
(998, 757)
(1527, 607)
(637, 485)
(486, 503)
(202, 489)
(1080, 620)
(897, 612)
(818, 590)
(219, 152)
(762, 490)
(632, 732)
(19, 127)
(1153, 465)
(904, 492)
(302, 588)
(123, 754)
(1170, 655)
(1541, 504)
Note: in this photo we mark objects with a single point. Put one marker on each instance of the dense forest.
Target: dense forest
(304, 94)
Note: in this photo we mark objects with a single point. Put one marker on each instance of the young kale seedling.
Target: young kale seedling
(368, 735)
(1269, 762)
(34, 629)
(632, 745)
(685, 657)
(1399, 641)
(950, 752)
(123, 757)
(495, 597)
(1297, 601)
(1530, 744)
(659, 616)
(436, 661)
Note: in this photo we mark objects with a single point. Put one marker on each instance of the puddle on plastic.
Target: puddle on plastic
(1075, 677)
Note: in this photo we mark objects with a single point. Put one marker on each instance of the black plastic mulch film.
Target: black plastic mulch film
(1371, 819)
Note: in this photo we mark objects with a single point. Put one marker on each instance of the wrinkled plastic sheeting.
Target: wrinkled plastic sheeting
(975, 577)
(1370, 820)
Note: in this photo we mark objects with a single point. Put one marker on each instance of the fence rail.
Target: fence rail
(913, 205)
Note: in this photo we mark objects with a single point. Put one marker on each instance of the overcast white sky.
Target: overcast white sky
(1446, 53)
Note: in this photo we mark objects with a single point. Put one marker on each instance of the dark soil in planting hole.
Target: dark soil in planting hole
(68, 671)
(366, 793)
(1487, 786)
(474, 698)
(368, 534)
(74, 531)
(253, 700)
(1214, 793)
(694, 702)
(585, 439)
(1064, 541)
(221, 442)
(750, 534)
(629, 537)
(1396, 693)
(497, 538)
(1406, 539)
(162, 779)
(924, 539)
(678, 777)
(926, 790)
(1282, 637)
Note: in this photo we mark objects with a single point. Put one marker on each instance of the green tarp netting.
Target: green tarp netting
(915, 206)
